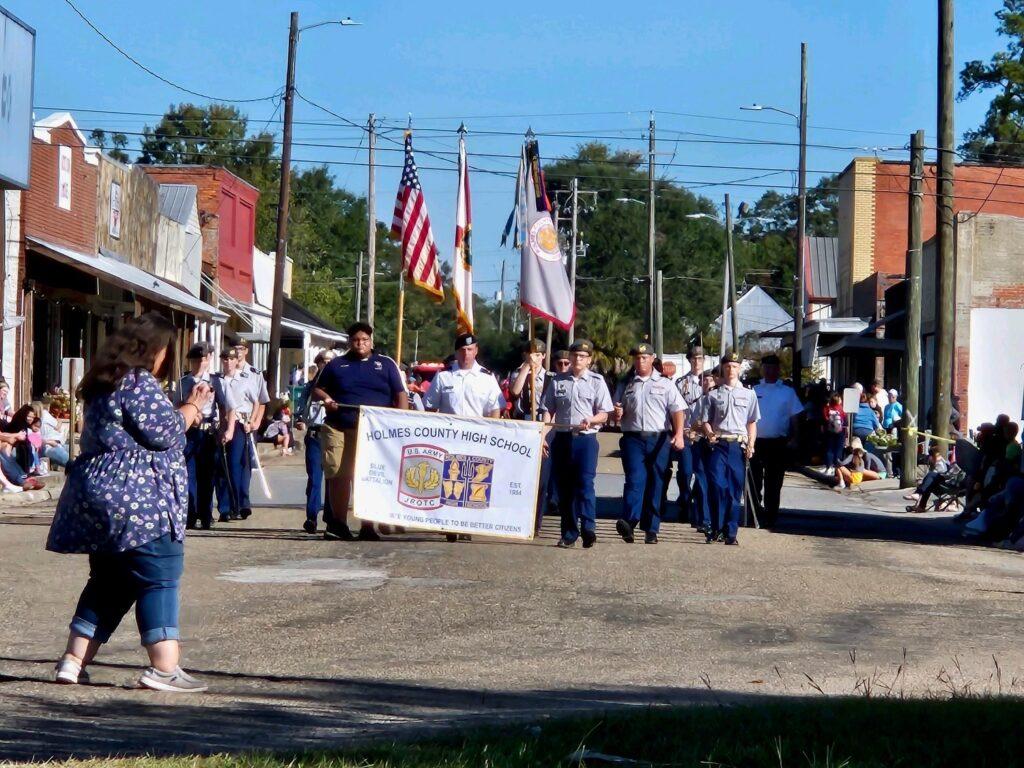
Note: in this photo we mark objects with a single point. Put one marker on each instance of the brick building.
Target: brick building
(864, 338)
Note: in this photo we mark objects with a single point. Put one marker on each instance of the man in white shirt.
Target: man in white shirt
(465, 389)
(776, 435)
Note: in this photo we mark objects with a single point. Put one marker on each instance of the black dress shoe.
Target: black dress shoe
(224, 518)
(452, 537)
(309, 526)
(709, 538)
(368, 534)
(245, 513)
(650, 538)
(338, 533)
(589, 539)
(625, 530)
(235, 516)
(206, 524)
(563, 544)
(731, 542)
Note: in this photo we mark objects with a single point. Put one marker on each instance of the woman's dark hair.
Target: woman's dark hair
(133, 346)
(19, 421)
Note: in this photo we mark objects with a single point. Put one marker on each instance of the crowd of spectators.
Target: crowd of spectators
(32, 442)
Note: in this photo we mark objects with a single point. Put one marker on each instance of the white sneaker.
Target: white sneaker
(70, 672)
(12, 489)
(841, 484)
(178, 681)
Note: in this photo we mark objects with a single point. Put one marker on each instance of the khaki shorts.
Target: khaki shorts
(339, 451)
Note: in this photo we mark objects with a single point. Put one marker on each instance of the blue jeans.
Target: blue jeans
(57, 454)
(147, 577)
(574, 466)
(834, 444)
(644, 463)
(12, 469)
(727, 475)
(315, 498)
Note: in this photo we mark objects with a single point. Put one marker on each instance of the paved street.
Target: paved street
(308, 643)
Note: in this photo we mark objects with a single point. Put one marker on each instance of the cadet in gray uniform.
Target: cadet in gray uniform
(693, 503)
(650, 410)
(577, 403)
(203, 441)
(730, 425)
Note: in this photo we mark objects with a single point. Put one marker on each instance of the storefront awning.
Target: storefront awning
(130, 278)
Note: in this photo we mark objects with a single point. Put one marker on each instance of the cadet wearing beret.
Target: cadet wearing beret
(528, 386)
(730, 424)
(650, 410)
(214, 427)
(577, 403)
(779, 407)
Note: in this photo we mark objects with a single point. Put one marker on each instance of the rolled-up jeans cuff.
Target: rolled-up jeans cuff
(86, 628)
(159, 634)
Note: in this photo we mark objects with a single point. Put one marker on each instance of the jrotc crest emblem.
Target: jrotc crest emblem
(430, 477)
(467, 481)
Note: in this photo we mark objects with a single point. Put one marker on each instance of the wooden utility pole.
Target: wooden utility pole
(650, 231)
(731, 269)
(359, 288)
(912, 357)
(659, 316)
(501, 300)
(284, 197)
(799, 301)
(371, 221)
(945, 309)
(572, 253)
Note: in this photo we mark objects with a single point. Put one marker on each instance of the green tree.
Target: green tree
(1000, 137)
(218, 134)
(118, 144)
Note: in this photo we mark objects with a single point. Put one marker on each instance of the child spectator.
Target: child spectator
(279, 431)
(835, 432)
(937, 467)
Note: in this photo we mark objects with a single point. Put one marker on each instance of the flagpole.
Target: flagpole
(533, 378)
(401, 317)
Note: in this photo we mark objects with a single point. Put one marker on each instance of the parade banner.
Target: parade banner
(453, 474)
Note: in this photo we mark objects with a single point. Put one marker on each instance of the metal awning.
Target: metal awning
(852, 344)
(256, 311)
(130, 278)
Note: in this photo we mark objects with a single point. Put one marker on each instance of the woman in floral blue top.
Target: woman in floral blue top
(125, 501)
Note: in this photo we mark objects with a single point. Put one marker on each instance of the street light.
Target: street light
(284, 197)
(629, 200)
(798, 287)
(765, 108)
(702, 216)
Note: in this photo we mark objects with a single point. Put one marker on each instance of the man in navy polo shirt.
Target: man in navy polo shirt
(359, 377)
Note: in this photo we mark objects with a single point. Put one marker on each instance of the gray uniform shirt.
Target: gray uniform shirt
(730, 409)
(523, 403)
(259, 384)
(692, 393)
(647, 403)
(570, 400)
(217, 407)
(242, 391)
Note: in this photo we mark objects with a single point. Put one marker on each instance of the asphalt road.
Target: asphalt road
(311, 644)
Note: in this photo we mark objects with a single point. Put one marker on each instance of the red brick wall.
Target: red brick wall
(208, 203)
(42, 217)
(975, 192)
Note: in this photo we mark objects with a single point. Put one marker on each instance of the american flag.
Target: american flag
(411, 225)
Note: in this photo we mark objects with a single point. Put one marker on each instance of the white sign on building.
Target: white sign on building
(115, 210)
(17, 64)
(64, 177)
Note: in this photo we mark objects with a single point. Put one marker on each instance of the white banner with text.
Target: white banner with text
(453, 474)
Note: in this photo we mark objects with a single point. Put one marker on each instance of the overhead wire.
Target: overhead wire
(155, 74)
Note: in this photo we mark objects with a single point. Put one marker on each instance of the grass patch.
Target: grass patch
(816, 733)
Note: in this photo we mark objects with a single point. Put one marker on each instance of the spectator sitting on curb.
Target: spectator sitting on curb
(860, 466)
(938, 466)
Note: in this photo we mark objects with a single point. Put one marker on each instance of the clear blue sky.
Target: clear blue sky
(507, 66)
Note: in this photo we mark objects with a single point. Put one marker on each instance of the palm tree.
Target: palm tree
(612, 336)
